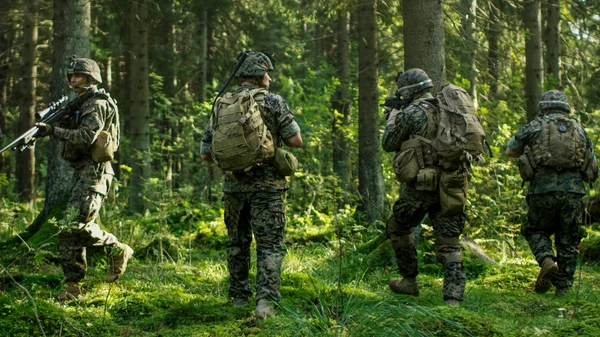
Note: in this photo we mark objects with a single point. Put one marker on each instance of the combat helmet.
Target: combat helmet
(80, 65)
(554, 99)
(255, 64)
(412, 82)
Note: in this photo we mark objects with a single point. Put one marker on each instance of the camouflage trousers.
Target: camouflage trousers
(261, 213)
(84, 204)
(408, 212)
(557, 213)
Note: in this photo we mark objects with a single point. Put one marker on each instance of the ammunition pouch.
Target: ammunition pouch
(527, 165)
(589, 168)
(285, 162)
(453, 191)
(408, 161)
(427, 179)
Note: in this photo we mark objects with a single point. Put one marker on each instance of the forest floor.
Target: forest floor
(188, 297)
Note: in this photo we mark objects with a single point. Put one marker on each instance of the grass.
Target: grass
(189, 297)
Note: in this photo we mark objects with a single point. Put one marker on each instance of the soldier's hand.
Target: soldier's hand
(392, 117)
(43, 130)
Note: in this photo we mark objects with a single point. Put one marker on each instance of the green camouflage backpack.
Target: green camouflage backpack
(241, 141)
(459, 137)
(559, 144)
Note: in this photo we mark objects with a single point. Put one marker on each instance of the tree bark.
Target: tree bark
(370, 176)
(342, 107)
(469, 35)
(139, 130)
(5, 27)
(25, 164)
(552, 41)
(424, 38)
(493, 37)
(533, 56)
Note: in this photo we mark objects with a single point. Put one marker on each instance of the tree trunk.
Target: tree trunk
(533, 56)
(552, 40)
(424, 38)
(5, 27)
(469, 35)
(204, 59)
(71, 36)
(25, 167)
(342, 108)
(139, 130)
(493, 36)
(370, 176)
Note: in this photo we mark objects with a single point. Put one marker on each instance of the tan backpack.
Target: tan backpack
(559, 144)
(460, 137)
(241, 141)
(107, 143)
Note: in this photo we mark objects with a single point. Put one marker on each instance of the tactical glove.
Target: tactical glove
(44, 130)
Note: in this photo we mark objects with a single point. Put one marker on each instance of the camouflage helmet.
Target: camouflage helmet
(554, 99)
(80, 65)
(412, 82)
(255, 64)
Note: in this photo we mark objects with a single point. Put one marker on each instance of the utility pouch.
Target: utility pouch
(453, 191)
(285, 162)
(527, 165)
(408, 161)
(427, 179)
(589, 168)
(103, 148)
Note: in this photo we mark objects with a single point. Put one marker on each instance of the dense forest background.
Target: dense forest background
(165, 60)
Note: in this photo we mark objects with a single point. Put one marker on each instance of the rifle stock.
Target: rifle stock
(51, 114)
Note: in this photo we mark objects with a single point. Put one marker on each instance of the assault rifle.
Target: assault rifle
(394, 102)
(54, 112)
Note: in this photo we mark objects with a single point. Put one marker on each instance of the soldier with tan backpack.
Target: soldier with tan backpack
(435, 139)
(556, 157)
(244, 138)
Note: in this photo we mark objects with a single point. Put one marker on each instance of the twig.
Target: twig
(106, 305)
(35, 311)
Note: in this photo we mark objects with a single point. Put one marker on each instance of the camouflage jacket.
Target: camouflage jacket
(411, 121)
(548, 179)
(78, 132)
(281, 123)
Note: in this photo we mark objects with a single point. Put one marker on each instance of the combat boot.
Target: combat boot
(562, 291)
(118, 261)
(240, 301)
(547, 272)
(406, 286)
(264, 309)
(72, 291)
(453, 303)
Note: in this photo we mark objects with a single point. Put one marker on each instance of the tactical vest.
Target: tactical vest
(559, 144)
(241, 141)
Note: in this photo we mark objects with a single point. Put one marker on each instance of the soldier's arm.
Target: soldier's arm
(206, 142)
(90, 125)
(524, 137)
(287, 127)
(403, 126)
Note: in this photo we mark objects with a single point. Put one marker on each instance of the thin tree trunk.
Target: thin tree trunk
(533, 55)
(424, 38)
(469, 34)
(493, 36)
(25, 165)
(342, 107)
(552, 40)
(4, 71)
(204, 70)
(139, 130)
(370, 176)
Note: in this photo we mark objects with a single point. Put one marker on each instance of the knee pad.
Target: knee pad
(447, 250)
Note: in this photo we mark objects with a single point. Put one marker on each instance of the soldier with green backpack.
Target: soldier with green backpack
(243, 137)
(435, 140)
(556, 157)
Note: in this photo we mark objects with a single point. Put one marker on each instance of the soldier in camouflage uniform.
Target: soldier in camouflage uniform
(90, 113)
(413, 204)
(254, 201)
(554, 200)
